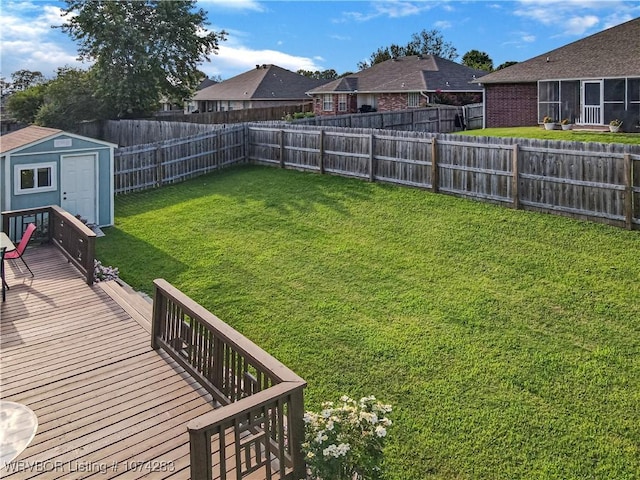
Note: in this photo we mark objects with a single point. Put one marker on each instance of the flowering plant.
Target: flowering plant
(345, 441)
(102, 273)
(547, 119)
(616, 122)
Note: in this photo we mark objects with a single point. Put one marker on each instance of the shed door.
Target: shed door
(78, 186)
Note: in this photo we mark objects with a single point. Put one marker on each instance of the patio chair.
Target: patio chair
(18, 252)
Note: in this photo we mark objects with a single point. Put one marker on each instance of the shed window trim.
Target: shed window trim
(43, 178)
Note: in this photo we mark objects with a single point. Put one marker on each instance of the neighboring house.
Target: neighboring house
(44, 166)
(399, 84)
(264, 86)
(591, 82)
(189, 106)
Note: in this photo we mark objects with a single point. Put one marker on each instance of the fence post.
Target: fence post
(515, 175)
(281, 148)
(159, 173)
(321, 151)
(372, 158)
(245, 132)
(628, 196)
(434, 166)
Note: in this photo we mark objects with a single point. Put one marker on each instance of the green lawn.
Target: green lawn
(571, 135)
(508, 341)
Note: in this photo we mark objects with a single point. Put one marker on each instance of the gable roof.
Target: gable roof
(415, 73)
(34, 134)
(25, 136)
(265, 82)
(614, 52)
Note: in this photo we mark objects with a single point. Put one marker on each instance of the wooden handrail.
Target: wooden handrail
(56, 225)
(262, 399)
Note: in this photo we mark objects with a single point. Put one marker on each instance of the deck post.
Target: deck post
(200, 455)
(296, 419)
(157, 315)
(89, 259)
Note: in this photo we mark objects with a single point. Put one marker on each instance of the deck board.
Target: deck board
(105, 401)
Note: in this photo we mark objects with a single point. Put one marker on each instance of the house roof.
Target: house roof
(265, 82)
(614, 52)
(407, 74)
(25, 136)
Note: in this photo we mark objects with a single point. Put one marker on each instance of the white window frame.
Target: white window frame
(17, 176)
(342, 102)
(413, 99)
(327, 102)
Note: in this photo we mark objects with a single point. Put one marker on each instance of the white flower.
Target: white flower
(336, 451)
(330, 425)
(381, 431)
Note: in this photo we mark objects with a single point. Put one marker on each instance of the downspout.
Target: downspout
(484, 107)
(425, 96)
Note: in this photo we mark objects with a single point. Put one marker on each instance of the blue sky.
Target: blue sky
(319, 35)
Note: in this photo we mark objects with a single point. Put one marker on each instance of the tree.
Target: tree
(506, 64)
(330, 74)
(69, 99)
(23, 106)
(23, 79)
(143, 50)
(427, 42)
(478, 60)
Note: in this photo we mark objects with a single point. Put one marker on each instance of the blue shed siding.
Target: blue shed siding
(47, 152)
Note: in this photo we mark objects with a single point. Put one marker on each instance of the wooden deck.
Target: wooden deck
(107, 404)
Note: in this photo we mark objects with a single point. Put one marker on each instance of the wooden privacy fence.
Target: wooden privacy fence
(152, 165)
(260, 425)
(434, 119)
(599, 182)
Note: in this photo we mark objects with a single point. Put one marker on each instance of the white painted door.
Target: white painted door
(78, 186)
(592, 102)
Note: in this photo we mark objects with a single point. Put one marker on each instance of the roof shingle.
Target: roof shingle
(25, 136)
(614, 52)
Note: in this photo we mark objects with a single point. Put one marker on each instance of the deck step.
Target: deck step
(139, 307)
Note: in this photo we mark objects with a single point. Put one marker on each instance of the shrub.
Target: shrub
(345, 441)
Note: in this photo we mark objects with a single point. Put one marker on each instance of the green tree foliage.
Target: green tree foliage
(143, 50)
(478, 60)
(506, 64)
(330, 74)
(427, 42)
(69, 99)
(23, 106)
(23, 79)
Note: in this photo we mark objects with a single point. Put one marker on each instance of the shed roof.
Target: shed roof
(407, 74)
(265, 82)
(25, 136)
(614, 52)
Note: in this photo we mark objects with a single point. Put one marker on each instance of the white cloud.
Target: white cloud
(442, 24)
(250, 5)
(231, 61)
(390, 9)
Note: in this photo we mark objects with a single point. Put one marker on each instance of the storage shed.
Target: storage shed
(44, 166)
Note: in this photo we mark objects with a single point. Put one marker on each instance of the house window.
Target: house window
(342, 102)
(413, 99)
(633, 98)
(549, 100)
(327, 104)
(34, 178)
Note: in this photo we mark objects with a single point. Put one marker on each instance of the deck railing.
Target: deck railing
(57, 226)
(260, 424)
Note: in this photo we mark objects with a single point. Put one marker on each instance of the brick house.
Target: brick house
(398, 84)
(264, 86)
(589, 82)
